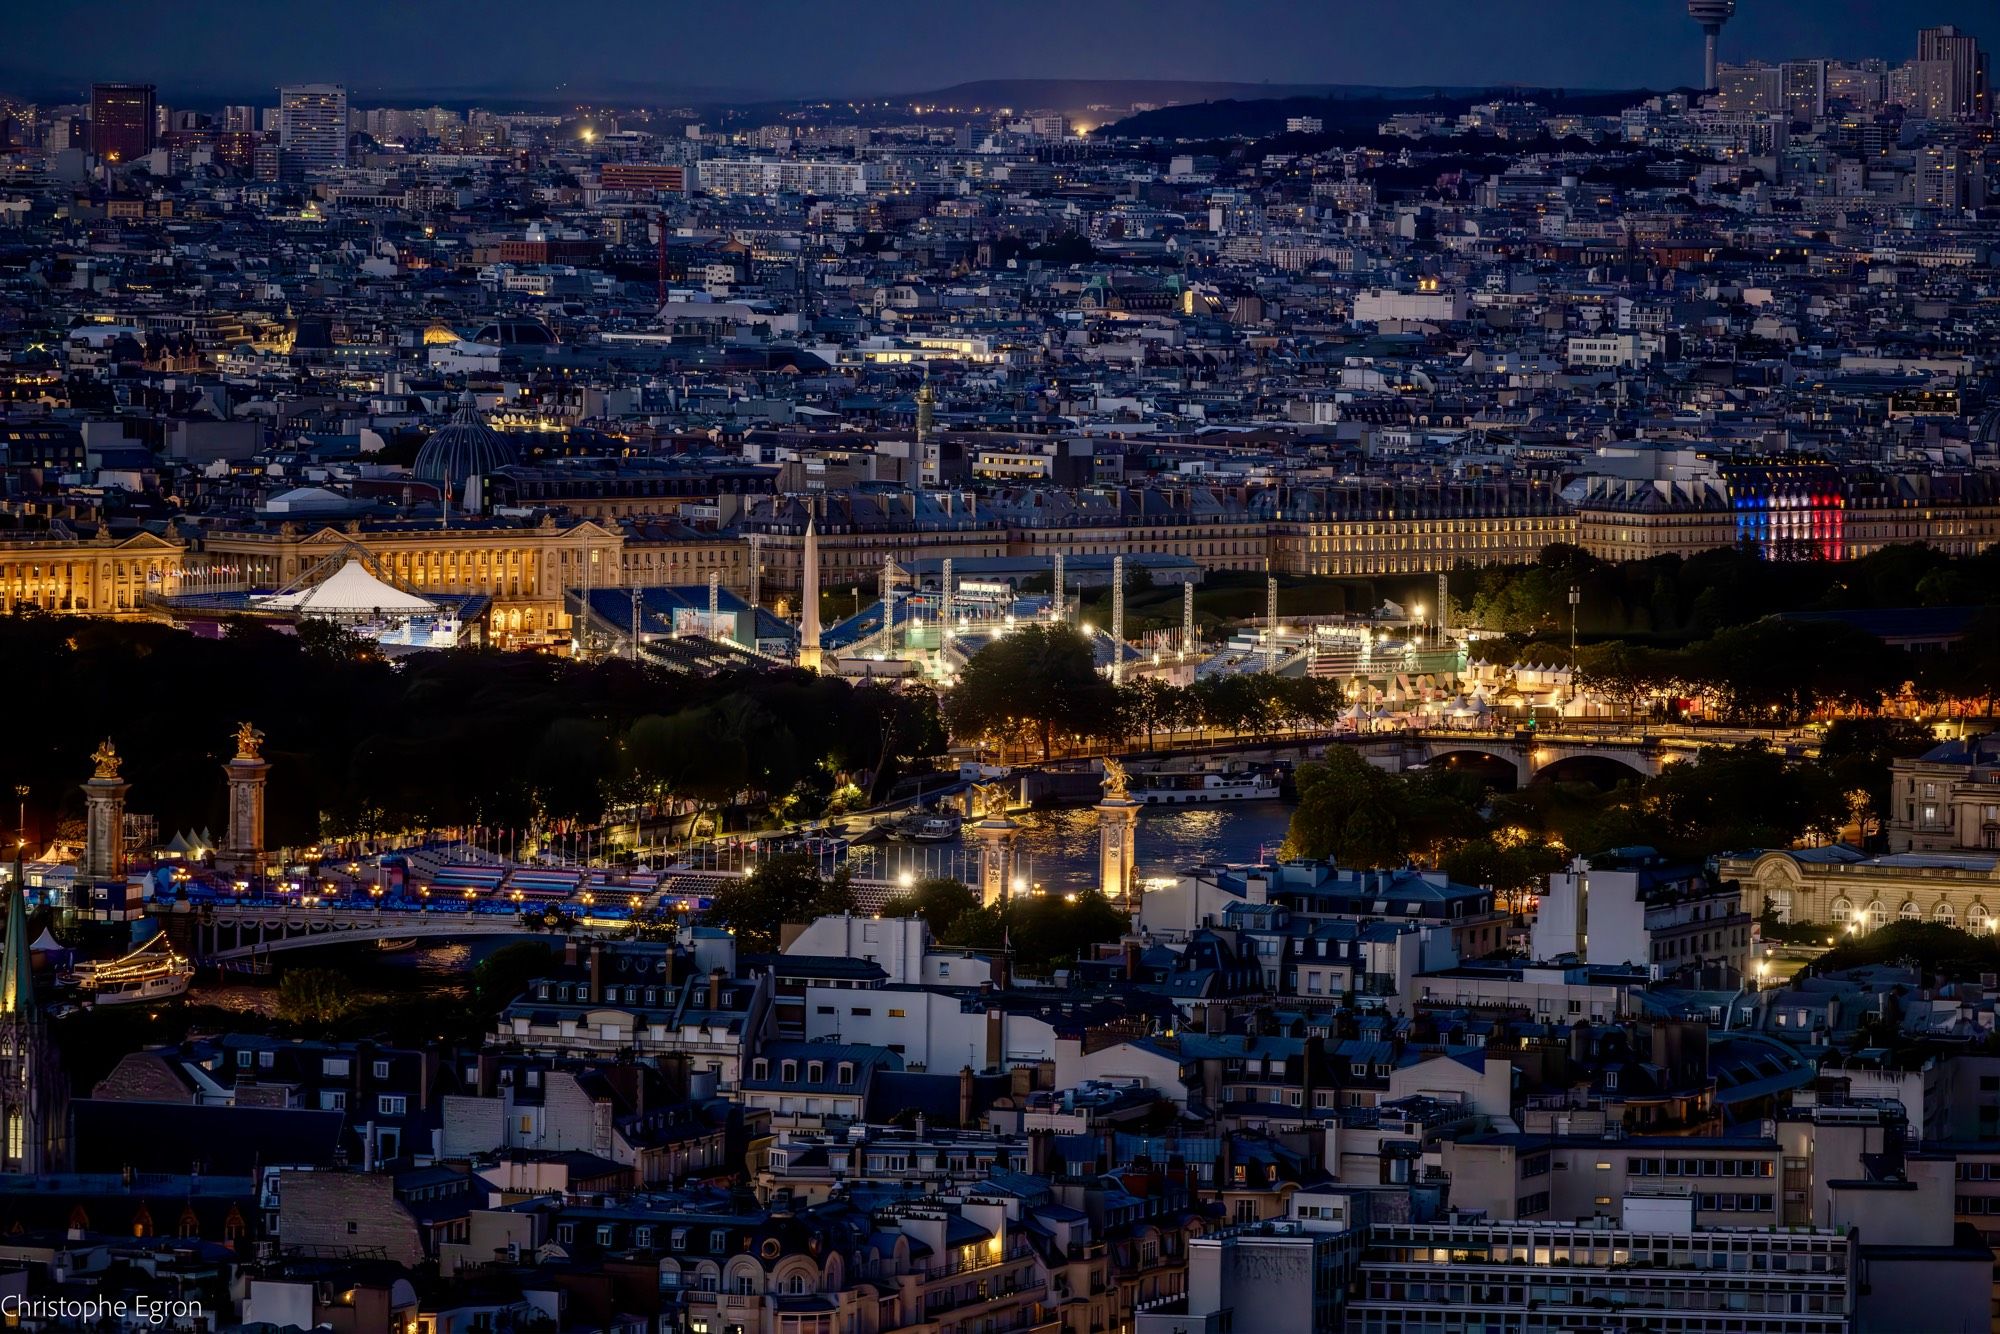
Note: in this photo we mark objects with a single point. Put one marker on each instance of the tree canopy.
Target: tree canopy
(508, 740)
(1360, 815)
(788, 888)
(1039, 685)
(1039, 682)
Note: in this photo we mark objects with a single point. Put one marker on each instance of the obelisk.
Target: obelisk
(809, 655)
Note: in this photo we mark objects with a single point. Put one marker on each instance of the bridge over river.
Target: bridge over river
(497, 898)
(1532, 755)
(231, 932)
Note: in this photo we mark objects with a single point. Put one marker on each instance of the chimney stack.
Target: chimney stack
(596, 972)
(715, 988)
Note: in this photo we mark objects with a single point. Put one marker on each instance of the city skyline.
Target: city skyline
(204, 50)
(1013, 670)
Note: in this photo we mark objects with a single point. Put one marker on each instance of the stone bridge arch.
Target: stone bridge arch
(248, 933)
(1546, 763)
(1447, 754)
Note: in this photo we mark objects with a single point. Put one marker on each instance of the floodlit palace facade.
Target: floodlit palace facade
(525, 563)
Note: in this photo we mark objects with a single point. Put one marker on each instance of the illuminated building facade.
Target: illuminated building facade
(523, 567)
(858, 532)
(1788, 511)
(1370, 528)
(122, 120)
(99, 576)
(1851, 892)
(312, 127)
(1465, 1274)
(643, 177)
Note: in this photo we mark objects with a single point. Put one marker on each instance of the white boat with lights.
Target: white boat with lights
(1193, 788)
(152, 972)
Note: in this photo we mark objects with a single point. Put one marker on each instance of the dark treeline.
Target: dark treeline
(1705, 625)
(437, 740)
(1674, 599)
(1038, 689)
(1727, 798)
(1040, 932)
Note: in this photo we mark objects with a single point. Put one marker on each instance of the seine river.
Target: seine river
(1058, 848)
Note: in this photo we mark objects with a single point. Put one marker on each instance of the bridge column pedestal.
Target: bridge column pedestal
(996, 835)
(242, 851)
(104, 829)
(1117, 829)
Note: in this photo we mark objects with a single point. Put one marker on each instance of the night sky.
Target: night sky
(544, 49)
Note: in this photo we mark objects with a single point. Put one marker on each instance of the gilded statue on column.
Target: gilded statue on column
(990, 800)
(1117, 782)
(105, 757)
(249, 742)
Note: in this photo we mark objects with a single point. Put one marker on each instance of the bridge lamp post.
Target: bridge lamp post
(1575, 596)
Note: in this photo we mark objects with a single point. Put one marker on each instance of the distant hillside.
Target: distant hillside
(1263, 117)
(1077, 95)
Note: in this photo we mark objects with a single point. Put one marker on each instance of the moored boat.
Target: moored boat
(1189, 789)
(153, 971)
(925, 827)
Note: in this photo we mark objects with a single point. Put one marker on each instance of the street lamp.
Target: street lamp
(1575, 596)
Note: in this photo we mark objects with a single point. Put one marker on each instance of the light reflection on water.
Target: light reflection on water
(1059, 847)
(445, 959)
(444, 966)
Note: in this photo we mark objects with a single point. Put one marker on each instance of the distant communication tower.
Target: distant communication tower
(1711, 15)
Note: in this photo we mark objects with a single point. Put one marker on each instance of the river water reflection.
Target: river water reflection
(1058, 848)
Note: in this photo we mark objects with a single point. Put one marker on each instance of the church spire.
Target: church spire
(17, 977)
